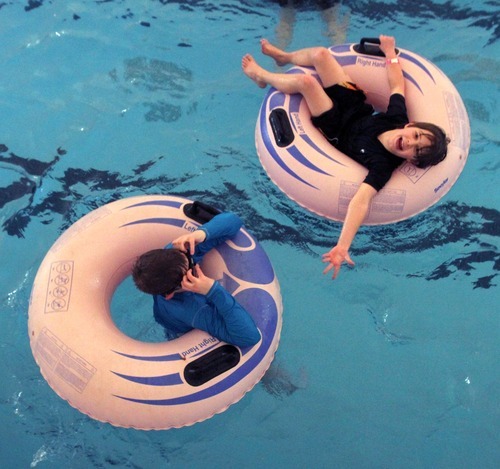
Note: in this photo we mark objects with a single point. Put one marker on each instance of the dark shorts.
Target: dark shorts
(348, 106)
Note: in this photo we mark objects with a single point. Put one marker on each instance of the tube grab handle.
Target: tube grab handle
(370, 46)
(200, 212)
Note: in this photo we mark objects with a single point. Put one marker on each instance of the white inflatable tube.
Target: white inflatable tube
(113, 378)
(309, 170)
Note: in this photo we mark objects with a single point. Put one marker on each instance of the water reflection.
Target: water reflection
(484, 15)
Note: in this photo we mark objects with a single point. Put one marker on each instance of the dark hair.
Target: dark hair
(436, 152)
(159, 271)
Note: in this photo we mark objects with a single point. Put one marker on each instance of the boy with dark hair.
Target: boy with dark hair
(380, 142)
(184, 297)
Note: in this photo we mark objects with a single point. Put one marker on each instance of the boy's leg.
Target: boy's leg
(327, 67)
(290, 83)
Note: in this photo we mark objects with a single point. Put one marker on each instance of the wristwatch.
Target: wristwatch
(395, 60)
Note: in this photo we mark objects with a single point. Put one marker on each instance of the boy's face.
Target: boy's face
(408, 142)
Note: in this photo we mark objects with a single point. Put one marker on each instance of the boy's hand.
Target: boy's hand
(200, 284)
(335, 258)
(188, 241)
(388, 46)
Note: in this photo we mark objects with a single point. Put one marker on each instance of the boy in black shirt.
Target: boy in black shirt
(379, 142)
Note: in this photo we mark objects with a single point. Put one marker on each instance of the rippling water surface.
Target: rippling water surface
(395, 364)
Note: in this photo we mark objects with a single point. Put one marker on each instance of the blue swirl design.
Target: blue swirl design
(310, 143)
(346, 60)
(157, 220)
(266, 138)
(251, 266)
(300, 158)
(165, 380)
(294, 105)
(243, 240)
(276, 99)
(159, 358)
(419, 64)
(340, 48)
(159, 202)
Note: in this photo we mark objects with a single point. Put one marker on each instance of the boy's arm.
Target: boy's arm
(394, 70)
(224, 225)
(230, 322)
(356, 213)
(221, 227)
(360, 203)
(223, 317)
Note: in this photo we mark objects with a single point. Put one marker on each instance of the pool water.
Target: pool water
(394, 364)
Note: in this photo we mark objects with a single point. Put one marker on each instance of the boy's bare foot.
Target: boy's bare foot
(280, 56)
(251, 69)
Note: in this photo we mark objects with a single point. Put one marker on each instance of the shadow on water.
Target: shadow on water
(281, 383)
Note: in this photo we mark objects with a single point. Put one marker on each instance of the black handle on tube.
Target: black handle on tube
(370, 46)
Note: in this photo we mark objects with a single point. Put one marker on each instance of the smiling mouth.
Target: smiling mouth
(399, 144)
